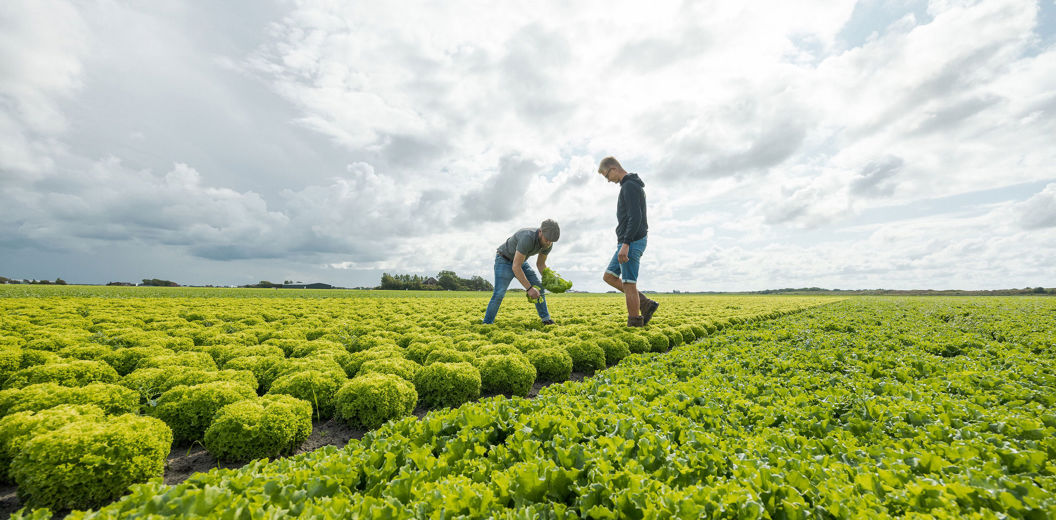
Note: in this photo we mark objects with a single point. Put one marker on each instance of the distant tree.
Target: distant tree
(155, 282)
(1039, 290)
(60, 281)
(479, 284)
(448, 280)
(4, 279)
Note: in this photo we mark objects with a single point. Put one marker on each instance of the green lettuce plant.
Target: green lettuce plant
(314, 386)
(71, 374)
(18, 428)
(551, 364)
(404, 368)
(88, 463)
(447, 384)
(371, 399)
(266, 426)
(552, 282)
(510, 374)
(587, 356)
(189, 410)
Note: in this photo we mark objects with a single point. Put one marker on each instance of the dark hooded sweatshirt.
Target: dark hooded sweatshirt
(630, 210)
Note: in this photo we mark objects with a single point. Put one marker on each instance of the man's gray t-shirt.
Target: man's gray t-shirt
(526, 241)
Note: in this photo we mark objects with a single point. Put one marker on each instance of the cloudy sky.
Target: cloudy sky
(883, 143)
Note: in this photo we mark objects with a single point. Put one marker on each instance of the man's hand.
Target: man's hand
(624, 253)
(533, 293)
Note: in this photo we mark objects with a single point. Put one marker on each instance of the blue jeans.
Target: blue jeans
(627, 271)
(503, 277)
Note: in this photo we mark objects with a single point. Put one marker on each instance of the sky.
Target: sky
(889, 144)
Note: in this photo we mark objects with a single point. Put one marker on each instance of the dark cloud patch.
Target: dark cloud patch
(771, 144)
(497, 200)
(876, 179)
(666, 120)
(1040, 210)
(531, 72)
(954, 114)
(959, 74)
(408, 151)
(787, 211)
(650, 54)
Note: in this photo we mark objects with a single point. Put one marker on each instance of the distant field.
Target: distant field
(724, 407)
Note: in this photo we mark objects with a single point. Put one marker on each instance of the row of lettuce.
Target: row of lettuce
(97, 391)
(864, 409)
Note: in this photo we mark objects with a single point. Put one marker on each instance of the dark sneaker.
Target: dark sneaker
(648, 309)
(636, 321)
(548, 322)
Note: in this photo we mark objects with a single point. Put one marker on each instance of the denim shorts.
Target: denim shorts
(627, 271)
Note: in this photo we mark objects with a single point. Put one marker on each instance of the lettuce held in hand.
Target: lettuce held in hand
(552, 282)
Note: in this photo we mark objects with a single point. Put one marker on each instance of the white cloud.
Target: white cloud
(417, 137)
(1040, 210)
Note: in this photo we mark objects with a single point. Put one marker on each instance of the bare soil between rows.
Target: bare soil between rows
(185, 461)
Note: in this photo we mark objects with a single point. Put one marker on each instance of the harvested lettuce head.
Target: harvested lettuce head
(552, 282)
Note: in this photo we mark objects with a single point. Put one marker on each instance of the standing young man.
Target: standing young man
(511, 261)
(631, 231)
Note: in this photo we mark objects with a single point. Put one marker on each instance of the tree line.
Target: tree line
(444, 281)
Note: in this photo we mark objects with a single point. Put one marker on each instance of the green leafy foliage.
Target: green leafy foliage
(615, 350)
(90, 462)
(194, 360)
(71, 374)
(266, 426)
(509, 374)
(447, 355)
(635, 344)
(125, 360)
(404, 368)
(371, 399)
(264, 368)
(189, 410)
(844, 411)
(152, 382)
(658, 341)
(314, 386)
(17, 428)
(552, 282)
(587, 356)
(447, 384)
(551, 364)
(260, 338)
(112, 399)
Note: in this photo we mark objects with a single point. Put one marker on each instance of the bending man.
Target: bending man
(511, 261)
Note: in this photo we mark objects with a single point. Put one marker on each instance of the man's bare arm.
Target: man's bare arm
(518, 260)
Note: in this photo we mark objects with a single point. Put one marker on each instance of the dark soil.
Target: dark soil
(9, 502)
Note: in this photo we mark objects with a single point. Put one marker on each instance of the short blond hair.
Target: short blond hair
(608, 162)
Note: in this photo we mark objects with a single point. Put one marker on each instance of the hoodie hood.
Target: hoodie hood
(632, 177)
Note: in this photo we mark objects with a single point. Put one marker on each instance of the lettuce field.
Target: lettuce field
(723, 407)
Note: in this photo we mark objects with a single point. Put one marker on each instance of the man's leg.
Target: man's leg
(503, 276)
(617, 284)
(631, 295)
(630, 275)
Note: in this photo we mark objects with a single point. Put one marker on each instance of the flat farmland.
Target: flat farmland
(723, 407)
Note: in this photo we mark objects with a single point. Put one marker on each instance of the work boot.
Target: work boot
(548, 322)
(636, 321)
(648, 309)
